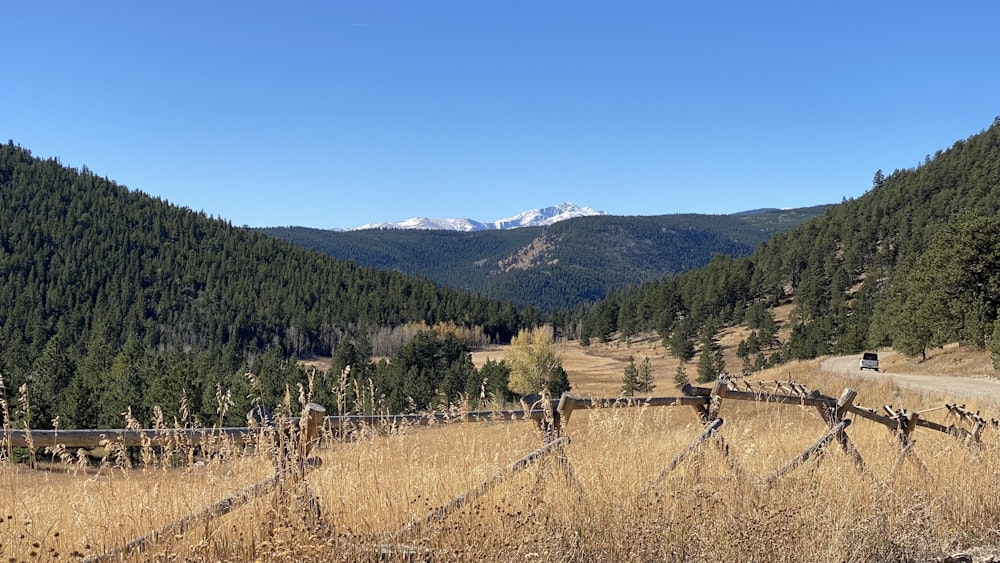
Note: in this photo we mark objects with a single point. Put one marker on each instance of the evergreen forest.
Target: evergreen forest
(914, 264)
(111, 299)
(559, 266)
(113, 302)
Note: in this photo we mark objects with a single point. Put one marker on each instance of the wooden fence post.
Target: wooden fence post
(314, 413)
(310, 423)
(549, 421)
(461, 500)
(709, 431)
(700, 409)
(977, 430)
(833, 415)
(907, 422)
(816, 448)
(718, 392)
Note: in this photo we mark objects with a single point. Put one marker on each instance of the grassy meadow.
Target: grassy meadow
(589, 508)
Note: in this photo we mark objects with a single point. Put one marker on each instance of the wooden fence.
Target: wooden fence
(163, 437)
(550, 415)
(705, 401)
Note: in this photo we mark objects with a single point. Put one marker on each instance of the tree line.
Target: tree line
(577, 261)
(913, 264)
(111, 297)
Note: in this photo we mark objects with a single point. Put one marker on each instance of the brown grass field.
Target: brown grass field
(707, 509)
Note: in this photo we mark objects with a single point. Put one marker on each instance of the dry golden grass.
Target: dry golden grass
(710, 508)
(951, 360)
(596, 371)
(705, 510)
(65, 511)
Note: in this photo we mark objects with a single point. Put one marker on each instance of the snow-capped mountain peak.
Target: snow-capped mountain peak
(545, 216)
(530, 218)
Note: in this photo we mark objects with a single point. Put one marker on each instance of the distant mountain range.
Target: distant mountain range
(560, 263)
(531, 218)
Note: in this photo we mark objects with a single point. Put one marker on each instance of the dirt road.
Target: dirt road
(952, 388)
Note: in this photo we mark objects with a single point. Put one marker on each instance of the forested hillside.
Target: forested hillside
(914, 263)
(111, 298)
(559, 266)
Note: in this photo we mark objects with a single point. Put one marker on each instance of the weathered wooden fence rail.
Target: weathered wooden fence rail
(156, 437)
(297, 436)
(482, 488)
(289, 469)
(697, 397)
(241, 434)
(552, 414)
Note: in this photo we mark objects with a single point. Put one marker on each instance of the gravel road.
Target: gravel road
(953, 388)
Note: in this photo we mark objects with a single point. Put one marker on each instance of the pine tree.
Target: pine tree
(711, 362)
(558, 382)
(644, 381)
(768, 336)
(491, 383)
(630, 379)
(53, 372)
(680, 341)
(680, 376)
(706, 366)
(720, 362)
(879, 180)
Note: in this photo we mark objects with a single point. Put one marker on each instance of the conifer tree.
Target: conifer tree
(879, 180)
(706, 371)
(711, 362)
(768, 335)
(630, 379)
(559, 382)
(680, 376)
(644, 381)
(680, 341)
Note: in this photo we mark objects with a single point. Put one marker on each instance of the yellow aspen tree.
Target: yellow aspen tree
(532, 359)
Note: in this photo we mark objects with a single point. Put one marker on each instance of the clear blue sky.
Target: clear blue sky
(335, 114)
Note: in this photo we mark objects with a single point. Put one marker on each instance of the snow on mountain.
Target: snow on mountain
(429, 224)
(530, 218)
(545, 216)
